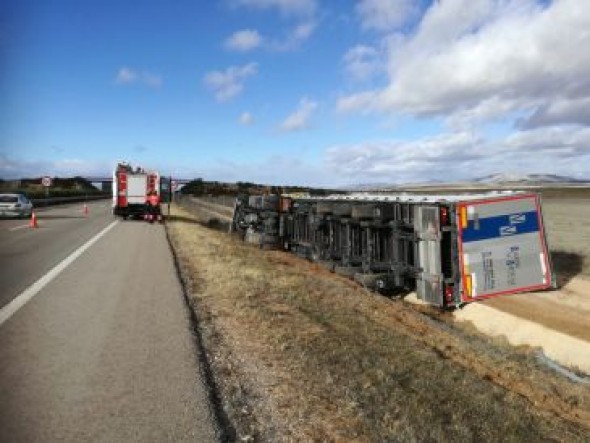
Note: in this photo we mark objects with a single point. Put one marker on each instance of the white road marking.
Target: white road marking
(11, 308)
(18, 227)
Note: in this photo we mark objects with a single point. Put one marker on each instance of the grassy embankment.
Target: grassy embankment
(301, 354)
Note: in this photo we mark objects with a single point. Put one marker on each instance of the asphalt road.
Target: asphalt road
(104, 351)
(27, 254)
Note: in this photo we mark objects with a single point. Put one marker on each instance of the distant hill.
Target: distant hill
(527, 179)
(498, 179)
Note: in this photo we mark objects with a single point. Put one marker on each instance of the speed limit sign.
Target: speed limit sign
(46, 181)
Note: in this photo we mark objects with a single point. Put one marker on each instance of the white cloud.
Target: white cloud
(273, 170)
(128, 76)
(246, 119)
(244, 40)
(403, 159)
(386, 15)
(229, 83)
(483, 58)
(457, 156)
(11, 168)
(560, 110)
(293, 38)
(299, 120)
(303, 31)
(285, 7)
(362, 62)
(247, 39)
(149, 79)
(302, 11)
(125, 76)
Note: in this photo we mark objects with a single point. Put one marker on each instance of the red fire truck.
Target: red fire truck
(131, 187)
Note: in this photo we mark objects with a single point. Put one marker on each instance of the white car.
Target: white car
(15, 205)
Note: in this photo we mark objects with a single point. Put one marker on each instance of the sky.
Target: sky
(302, 92)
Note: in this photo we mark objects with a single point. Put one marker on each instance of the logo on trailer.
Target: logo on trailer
(507, 230)
(517, 219)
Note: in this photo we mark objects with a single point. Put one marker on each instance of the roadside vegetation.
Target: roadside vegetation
(61, 187)
(301, 354)
(199, 187)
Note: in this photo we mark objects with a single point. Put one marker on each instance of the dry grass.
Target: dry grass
(303, 355)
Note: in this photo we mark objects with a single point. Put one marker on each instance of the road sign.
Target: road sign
(46, 181)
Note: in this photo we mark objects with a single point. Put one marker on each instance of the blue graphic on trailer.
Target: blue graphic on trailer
(501, 226)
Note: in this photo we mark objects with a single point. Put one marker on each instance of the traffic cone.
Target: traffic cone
(33, 222)
(85, 210)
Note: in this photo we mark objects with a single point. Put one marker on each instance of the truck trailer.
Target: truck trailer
(450, 249)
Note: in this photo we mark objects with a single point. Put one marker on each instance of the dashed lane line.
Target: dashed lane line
(18, 227)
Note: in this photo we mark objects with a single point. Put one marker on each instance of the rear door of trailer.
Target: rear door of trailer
(502, 247)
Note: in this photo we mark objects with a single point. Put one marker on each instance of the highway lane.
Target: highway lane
(104, 352)
(26, 254)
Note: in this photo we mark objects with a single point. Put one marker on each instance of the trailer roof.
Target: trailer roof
(409, 197)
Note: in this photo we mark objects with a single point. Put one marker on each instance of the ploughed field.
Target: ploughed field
(299, 353)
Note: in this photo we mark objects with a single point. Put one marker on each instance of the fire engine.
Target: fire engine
(131, 187)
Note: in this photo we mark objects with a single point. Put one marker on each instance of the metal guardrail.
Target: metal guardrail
(41, 202)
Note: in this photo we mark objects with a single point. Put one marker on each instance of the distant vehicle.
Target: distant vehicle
(131, 188)
(15, 205)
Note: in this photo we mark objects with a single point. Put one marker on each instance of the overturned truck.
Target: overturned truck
(451, 249)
